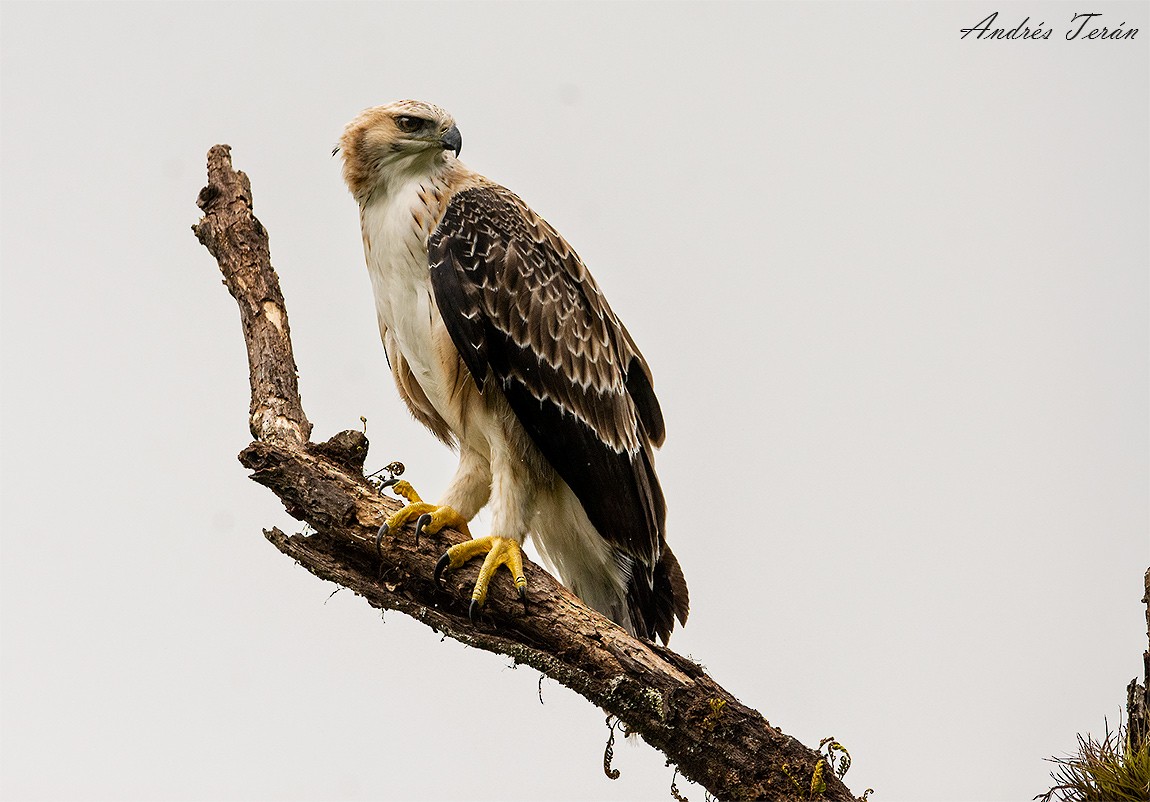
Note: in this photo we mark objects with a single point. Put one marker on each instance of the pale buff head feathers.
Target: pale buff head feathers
(407, 136)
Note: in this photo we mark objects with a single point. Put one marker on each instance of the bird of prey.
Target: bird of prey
(502, 344)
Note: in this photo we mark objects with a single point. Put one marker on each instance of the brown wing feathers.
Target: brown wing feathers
(523, 311)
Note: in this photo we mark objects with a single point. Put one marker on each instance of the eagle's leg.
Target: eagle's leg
(510, 488)
(468, 491)
(431, 518)
(499, 551)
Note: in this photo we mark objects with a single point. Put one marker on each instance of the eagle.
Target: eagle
(502, 344)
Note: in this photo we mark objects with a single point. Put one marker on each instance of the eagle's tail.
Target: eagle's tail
(655, 606)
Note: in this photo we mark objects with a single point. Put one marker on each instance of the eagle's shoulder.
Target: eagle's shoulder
(497, 258)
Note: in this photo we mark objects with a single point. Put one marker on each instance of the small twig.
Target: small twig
(675, 789)
(609, 750)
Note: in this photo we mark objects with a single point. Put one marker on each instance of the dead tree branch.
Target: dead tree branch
(1138, 694)
(669, 700)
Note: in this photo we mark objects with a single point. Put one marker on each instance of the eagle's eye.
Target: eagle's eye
(408, 125)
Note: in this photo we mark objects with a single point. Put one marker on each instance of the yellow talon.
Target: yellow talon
(403, 489)
(499, 551)
(437, 518)
(431, 518)
(398, 519)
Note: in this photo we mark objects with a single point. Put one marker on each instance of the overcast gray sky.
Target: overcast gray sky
(892, 284)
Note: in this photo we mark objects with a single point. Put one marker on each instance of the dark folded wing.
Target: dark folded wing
(524, 313)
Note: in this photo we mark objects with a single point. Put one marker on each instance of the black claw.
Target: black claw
(444, 561)
(421, 522)
(387, 483)
(379, 536)
(473, 611)
(523, 598)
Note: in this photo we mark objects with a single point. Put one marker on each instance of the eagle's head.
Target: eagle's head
(404, 137)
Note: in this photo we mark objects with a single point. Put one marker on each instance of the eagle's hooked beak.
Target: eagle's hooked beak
(452, 140)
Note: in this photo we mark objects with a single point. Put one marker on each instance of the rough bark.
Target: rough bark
(667, 699)
(232, 234)
(1138, 694)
